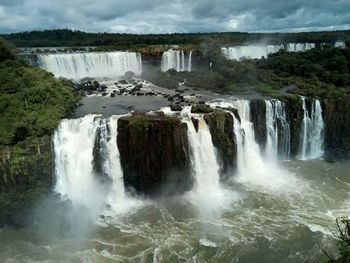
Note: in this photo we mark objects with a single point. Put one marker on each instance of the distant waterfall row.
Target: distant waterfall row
(176, 59)
(259, 51)
(93, 64)
(77, 66)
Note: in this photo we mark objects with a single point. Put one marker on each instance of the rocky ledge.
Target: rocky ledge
(154, 154)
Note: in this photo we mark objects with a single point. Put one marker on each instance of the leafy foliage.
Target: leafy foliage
(320, 72)
(32, 101)
(343, 237)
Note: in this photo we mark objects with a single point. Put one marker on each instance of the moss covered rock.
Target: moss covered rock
(154, 154)
(223, 136)
(336, 114)
(25, 178)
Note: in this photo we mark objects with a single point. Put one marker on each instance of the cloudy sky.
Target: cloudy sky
(167, 16)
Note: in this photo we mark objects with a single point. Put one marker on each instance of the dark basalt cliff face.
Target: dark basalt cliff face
(221, 128)
(154, 154)
(26, 177)
(336, 114)
(258, 117)
(295, 115)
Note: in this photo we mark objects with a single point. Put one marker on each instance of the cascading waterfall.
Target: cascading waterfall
(176, 59)
(208, 195)
(249, 155)
(189, 66)
(91, 64)
(259, 51)
(299, 47)
(340, 44)
(241, 52)
(81, 144)
(252, 168)
(73, 144)
(277, 131)
(204, 161)
(311, 137)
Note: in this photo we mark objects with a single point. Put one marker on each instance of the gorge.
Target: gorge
(138, 172)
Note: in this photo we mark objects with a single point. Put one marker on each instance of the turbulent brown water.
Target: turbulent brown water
(262, 222)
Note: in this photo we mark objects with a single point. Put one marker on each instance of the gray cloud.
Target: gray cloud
(167, 16)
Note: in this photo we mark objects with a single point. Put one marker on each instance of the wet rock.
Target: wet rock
(336, 115)
(258, 117)
(123, 81)
(96, 84)
(102, 88)
(195, 123)
(154, 154)
(221, 125)
(179, 91)
(295, 115)
(201, 108)
(175, 108)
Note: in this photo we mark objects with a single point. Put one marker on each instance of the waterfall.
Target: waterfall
(73, 144)
(204, 161)
(92, 64)
(253, 169)
(86, 154)
(340, 44)
(299, 47)
(277, 131)
(249, 155)
(208, 195)
(176, 59)
(189, 66)
(259, 51)
(311, 136)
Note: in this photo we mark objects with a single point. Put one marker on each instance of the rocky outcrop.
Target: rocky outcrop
(258, 117)
(154, 154)
(201, 108)
(25, 177)
(336, 114)
(295, 115)
(222, 132)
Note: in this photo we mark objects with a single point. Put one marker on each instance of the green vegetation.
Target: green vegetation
(320, 72)
(343, 237)
(32, 102)
(69, 38)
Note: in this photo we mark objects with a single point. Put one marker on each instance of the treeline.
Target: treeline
(32, 101)
(66, 37)
(321, 72)
(317, 72)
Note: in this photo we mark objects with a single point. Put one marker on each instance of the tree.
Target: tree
(5, 51)
(343, 237)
